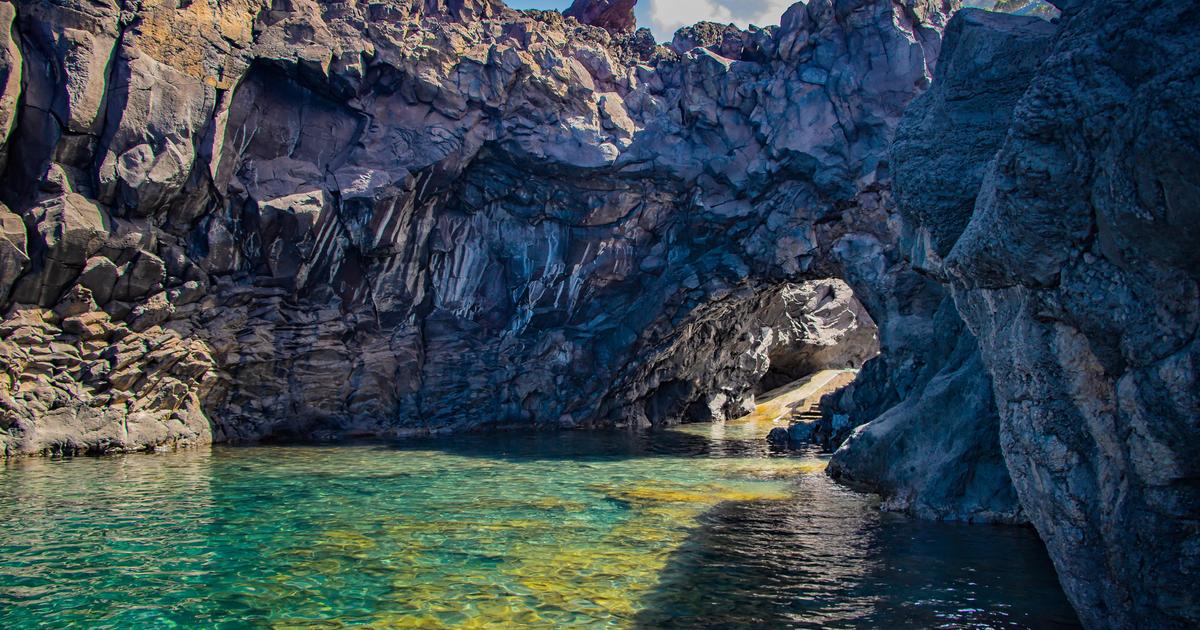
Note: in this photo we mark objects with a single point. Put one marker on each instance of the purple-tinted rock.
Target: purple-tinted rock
(614, 15)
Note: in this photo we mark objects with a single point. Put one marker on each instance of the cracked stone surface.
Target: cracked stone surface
(1068, 236)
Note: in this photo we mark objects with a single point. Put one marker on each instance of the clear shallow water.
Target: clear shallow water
(695, 528)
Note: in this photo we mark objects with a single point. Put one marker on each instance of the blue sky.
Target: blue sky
(665, 16)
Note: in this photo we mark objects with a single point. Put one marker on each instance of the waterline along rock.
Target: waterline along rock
(246, 220)
(1067, 233)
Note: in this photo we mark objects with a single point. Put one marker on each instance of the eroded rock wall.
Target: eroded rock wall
(393, 217)
(239, 220)
(933, 444)
(1068, 237)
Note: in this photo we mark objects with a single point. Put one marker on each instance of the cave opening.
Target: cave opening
(820, 339)
(766, 356)
(822, 326)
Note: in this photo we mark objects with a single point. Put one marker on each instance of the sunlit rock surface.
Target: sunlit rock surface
(1068, 236)
(391, 218)
(614, 15)
(821, 326)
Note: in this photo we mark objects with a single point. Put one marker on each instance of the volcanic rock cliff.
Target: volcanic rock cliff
(1068, 238)
(242, 220)
(247, 221)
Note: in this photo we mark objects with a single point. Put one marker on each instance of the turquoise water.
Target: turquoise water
(695, 528)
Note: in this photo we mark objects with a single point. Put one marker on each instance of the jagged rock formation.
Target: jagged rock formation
(614, 15)
(393, 217)
(1067, 233)
(396, 217)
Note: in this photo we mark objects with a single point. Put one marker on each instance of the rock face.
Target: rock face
(916, 451)
(393, 217)
(544, 223)
(1068, 237)
(614, 15)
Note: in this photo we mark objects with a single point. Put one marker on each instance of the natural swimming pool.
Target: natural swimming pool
(702, 527)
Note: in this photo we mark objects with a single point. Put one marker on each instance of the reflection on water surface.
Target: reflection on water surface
(701, 527)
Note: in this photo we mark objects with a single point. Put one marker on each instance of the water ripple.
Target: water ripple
(694, 528)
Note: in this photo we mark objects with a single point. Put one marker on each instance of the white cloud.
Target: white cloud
(769, 15)
(667, 16)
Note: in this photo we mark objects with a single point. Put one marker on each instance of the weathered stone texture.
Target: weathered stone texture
(937, 453)
(1069, 241)
(394, 217)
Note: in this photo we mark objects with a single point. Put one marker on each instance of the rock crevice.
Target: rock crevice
(1060, 234)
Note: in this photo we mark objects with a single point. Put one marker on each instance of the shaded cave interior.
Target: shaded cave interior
(769, 344)
(825, 328)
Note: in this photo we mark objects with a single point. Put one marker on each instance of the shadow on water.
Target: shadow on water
(828, 558)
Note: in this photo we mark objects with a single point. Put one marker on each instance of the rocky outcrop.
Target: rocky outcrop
(391, 217)
(937, 454)
(77, 381)
(1067, 234)
(614, 15)
(243, 220)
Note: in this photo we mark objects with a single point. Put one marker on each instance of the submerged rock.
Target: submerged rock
(801, 433)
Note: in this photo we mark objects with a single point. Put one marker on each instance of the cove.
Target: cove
(703, 526)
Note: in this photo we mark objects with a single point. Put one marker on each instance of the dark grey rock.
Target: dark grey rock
(189, 292)
(802, 433)
(100, 276)
(1077, 270)
(69, 229)
(14, 253)
(951, 132)
(779, 437)
(916, 449)
(140, 277)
